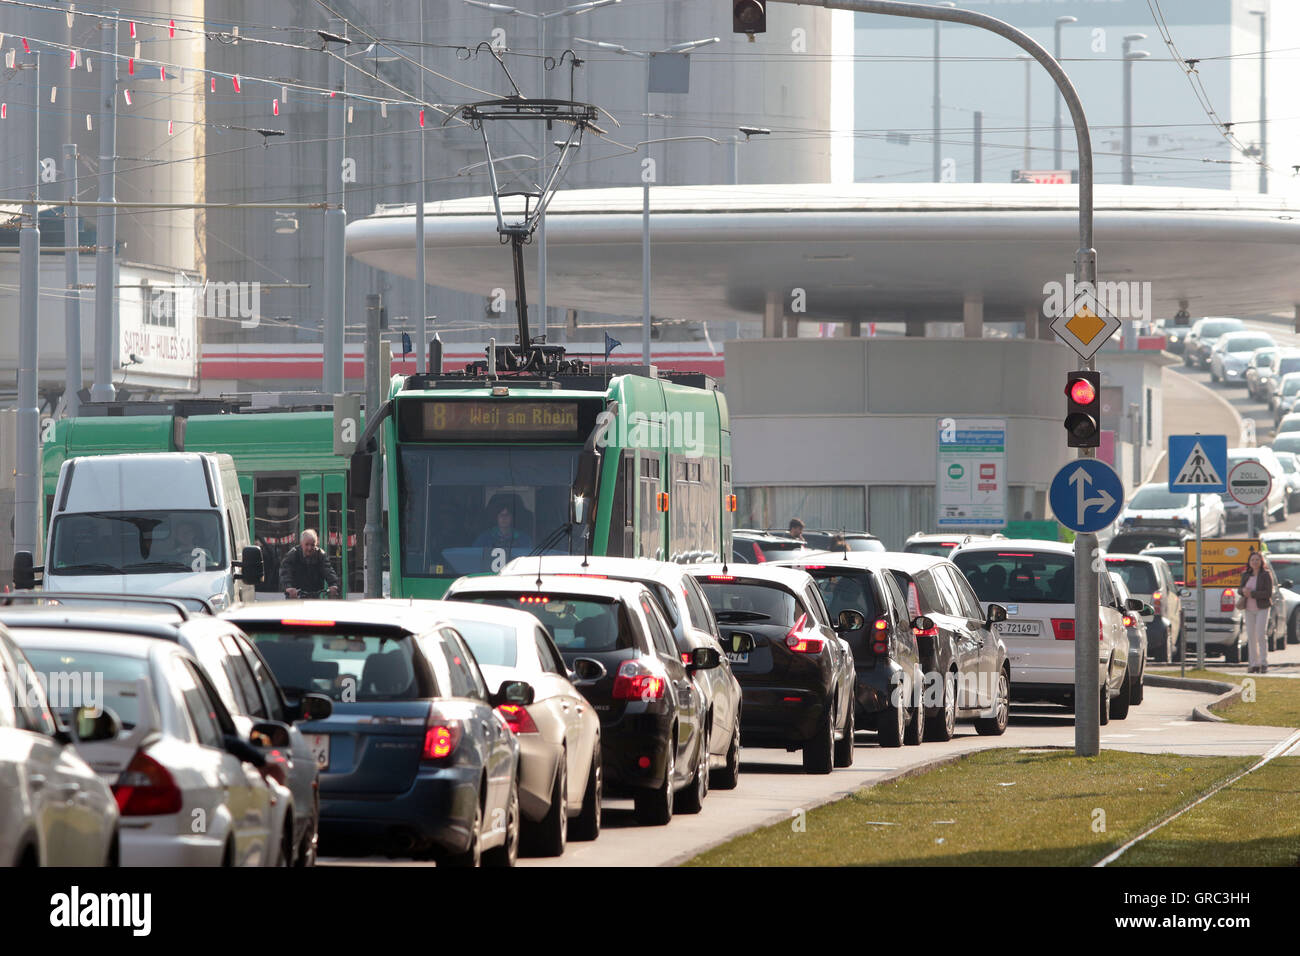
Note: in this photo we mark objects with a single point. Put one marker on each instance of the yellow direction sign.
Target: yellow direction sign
(1084, 324)
(1223, 560)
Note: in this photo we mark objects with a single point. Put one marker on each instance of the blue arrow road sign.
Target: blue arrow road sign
(1086, 495)
(1198, 464)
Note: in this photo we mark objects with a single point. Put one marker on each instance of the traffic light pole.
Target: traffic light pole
(1087, 584)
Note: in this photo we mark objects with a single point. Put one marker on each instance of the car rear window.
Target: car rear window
(493, 645)
(1285, 567)
(1246, 344)
(576, 622)
(1138, 576)
(1287, 442)
(1283, 546)
(63, 671)
(1286, 366)
(1175, 561)
(938, 549)
(743, 602)
(1212, 330)
(349, 663)
(850, 590)
(1019, 577)
(1158, 498)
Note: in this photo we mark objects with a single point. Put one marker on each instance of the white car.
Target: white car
(186, 785)
(1276, 504)
(1155, 506)
(1291, 467)
(1034, 581)
(1280, 396)
(54, 810)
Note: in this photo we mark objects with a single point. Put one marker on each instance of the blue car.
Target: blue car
(414, 760)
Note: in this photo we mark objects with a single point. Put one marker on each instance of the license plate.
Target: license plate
(737, 658)
(1024, 628)
(320, 749)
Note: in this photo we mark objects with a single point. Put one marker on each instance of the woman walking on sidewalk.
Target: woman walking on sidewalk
(1257, 591)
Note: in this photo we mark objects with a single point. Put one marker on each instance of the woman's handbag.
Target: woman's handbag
(1241, 601)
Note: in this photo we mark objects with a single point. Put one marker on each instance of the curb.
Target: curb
(1201, 712)
(1236, 415)
(901, 774)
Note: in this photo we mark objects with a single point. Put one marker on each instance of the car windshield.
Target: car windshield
(1287, 425)
(1138, 576)
(469, 510)
(348, 663)
(1285, 568)
(494, 645)
(1247, 343)
(576, 622)
(1283, 545)
(1212, 330)
(740, 602)
(1019, 577)
(136, 542)
(1285, 367)
(1288, 442)
(1288, 463)
(1158, 498)
(62, 672)
(1264, 357)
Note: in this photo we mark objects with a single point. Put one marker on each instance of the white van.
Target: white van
(166, 524)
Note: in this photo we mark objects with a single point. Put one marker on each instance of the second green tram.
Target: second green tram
(481, 471)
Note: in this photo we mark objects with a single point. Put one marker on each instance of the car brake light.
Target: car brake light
(637, 681)
(1129, 621)
(146, 789)
(1157, 600)
(686, 658)
(1228, 600)
(929, 632)
(722, 577)
(517, 718)
(534, 599)
(881, 643)
(295, 622)
(441, 737)
(1063, 628)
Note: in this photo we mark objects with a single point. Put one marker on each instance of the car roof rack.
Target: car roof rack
(174, 604)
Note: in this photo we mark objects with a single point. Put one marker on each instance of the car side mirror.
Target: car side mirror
(588, 671)
(738, 643)
(269, 733)
(1133, 604)
(996, 615)
(850, 620)
(518, 692)
(1288, 583)
(315, 707)
(922, 623)
(704, 658)
(252, 566)
(243, 750)
(578, 510)
(90, 727)
(24, 571)
(1148, 610)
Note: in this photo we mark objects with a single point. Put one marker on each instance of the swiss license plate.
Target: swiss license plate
(738, 658)
(1024, 628)
(320, 749)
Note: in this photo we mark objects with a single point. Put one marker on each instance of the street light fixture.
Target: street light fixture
(1129, 56)
(747, 132)
(1056, 119)
(572, 10)
(686, 47)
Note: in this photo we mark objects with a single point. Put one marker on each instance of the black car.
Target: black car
(414, 757)
(795, 672)
(890, 676)
(613, 636)
(1134, 540)
(967, 673)
(823, 540)
(759, 547)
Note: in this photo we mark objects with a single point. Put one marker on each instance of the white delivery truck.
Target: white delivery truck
(169, 525)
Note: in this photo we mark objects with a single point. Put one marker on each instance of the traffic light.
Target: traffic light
(748, 16)
(1083, 409)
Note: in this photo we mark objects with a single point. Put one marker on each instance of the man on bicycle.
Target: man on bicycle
(306, 570)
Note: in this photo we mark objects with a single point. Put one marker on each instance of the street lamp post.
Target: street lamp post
(541, 19)
(1129, 56)
(1263, 98)
(937, 104)
(1029, 71)
(1056, 119)
(686, 47)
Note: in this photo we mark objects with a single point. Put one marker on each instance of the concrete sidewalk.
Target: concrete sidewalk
(1190, 407)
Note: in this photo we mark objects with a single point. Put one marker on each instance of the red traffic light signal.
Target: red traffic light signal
(1083, 412)
(748, 16)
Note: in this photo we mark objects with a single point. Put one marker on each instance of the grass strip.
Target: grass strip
(1254, 822)
(1276, 700)
(1003, 807)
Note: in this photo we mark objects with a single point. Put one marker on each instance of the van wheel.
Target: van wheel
(1232, 653)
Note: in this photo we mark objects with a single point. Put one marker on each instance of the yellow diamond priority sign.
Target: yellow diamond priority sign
(1085, 325)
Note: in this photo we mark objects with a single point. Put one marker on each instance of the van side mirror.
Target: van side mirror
(24, 571)
(578, 510)
(253, 568)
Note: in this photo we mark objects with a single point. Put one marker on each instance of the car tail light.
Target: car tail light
(297, 622)
(1228, 600)
(802, 643)
(517, 718)
(759, 556)
(146, 789)
(932, 631)
(722, 577)
(1157, 601)
(1063, 628)
(534, 599)
(441, 737)
(880, 639)
(1129, 621)
(637, 681)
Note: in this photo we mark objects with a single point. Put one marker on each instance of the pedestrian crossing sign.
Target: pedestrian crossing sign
(1198, 464)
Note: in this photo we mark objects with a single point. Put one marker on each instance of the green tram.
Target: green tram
(484, 469)
(289, 475)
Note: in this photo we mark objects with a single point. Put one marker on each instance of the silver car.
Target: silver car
(1149, 578)
(1232, 353)
(1137, 635)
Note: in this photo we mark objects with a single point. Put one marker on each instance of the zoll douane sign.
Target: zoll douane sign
(1250, 483)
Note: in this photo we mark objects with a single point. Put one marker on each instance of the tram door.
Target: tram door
(322, 510)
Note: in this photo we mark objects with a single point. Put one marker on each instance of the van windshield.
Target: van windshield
(136, 542)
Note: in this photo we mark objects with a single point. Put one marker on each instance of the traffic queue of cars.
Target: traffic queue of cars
(496, 721)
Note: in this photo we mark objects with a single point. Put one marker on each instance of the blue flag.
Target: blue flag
(611, 343)
(406, 344)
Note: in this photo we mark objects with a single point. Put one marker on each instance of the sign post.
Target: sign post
(1198, 464)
